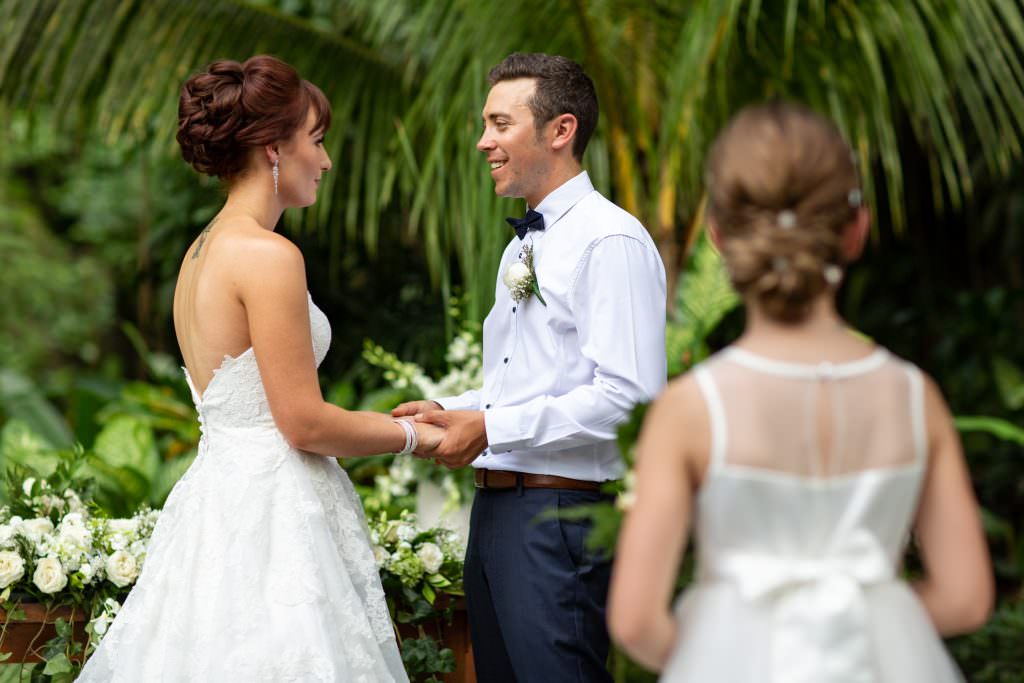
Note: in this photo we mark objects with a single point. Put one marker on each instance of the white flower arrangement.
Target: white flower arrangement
(465, 371)
(465, 368)
(65, 555)
(424, 561)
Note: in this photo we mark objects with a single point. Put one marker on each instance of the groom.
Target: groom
(575, 339)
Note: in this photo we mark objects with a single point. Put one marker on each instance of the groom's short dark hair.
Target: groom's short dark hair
(562, 88)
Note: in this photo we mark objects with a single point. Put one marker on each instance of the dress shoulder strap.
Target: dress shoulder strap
(917, 416)
(713, 400)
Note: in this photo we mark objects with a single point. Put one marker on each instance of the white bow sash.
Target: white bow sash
(818, 607)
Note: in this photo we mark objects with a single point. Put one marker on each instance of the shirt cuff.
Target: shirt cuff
(503, 432)
(456, 403)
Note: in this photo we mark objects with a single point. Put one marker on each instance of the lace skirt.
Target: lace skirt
(259, 569)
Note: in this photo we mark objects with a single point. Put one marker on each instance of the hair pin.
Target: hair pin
(786, 219)
(855, 197)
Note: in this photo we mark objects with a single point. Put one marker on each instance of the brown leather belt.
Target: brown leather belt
(501, 479)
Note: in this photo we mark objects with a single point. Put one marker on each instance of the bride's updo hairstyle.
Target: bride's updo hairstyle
(782, 186)
(232, 107)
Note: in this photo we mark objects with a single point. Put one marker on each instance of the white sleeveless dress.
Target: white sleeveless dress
(260, 567)
(801, 524)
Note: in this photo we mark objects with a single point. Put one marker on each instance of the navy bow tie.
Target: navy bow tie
(532, 221)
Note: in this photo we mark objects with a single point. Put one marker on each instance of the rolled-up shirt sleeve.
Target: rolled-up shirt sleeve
(618, 302)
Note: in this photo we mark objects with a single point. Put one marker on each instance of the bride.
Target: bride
(259, 568)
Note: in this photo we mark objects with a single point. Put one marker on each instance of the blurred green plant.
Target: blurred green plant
(994, 654)
(409, 382)
(58, 301)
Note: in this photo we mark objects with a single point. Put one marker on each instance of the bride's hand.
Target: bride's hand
(429, 436)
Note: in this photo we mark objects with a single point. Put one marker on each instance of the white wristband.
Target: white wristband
(411, 441)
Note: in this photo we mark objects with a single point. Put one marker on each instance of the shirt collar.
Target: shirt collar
(564, 197)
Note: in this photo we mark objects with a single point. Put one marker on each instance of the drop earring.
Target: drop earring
(276, 172)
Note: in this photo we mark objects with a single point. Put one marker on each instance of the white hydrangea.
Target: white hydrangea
(36, 529)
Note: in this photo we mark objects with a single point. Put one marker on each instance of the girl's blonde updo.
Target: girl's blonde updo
(782, 186)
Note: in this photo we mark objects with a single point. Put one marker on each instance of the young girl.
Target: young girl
(803, 453)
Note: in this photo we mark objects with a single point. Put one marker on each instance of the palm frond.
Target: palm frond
(114, 68)
(407, 80)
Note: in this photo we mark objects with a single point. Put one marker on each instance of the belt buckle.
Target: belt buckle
(481, 482)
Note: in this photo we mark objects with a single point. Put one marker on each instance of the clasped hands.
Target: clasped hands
(453, 438)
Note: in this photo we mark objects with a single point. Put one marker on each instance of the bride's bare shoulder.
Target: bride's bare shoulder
(254, 248)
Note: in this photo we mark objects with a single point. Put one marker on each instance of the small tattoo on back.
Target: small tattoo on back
(202, 238)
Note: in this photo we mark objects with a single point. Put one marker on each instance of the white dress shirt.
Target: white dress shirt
(559, 379)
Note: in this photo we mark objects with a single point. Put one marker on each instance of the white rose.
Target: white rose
(12, 568)
(35, 529)
(27, 485)
(87, 572)
(516, 273)
(122, 569)
(380, 556)
(431, 557)
(6, 533)
(49, 576)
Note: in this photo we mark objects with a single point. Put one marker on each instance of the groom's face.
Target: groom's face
(515, 150)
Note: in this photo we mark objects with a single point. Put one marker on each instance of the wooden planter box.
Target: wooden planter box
(455, 636)
(24, 638)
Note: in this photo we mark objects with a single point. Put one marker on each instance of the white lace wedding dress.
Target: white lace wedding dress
(801, 524)
(259, 568)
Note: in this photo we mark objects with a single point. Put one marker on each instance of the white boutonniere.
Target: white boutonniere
(521, 278)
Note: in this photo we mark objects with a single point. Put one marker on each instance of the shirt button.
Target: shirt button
(487, 406)
(506, 359)
(513, 309)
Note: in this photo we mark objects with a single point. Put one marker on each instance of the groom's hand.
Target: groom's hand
(410, 408)
(464, 439)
